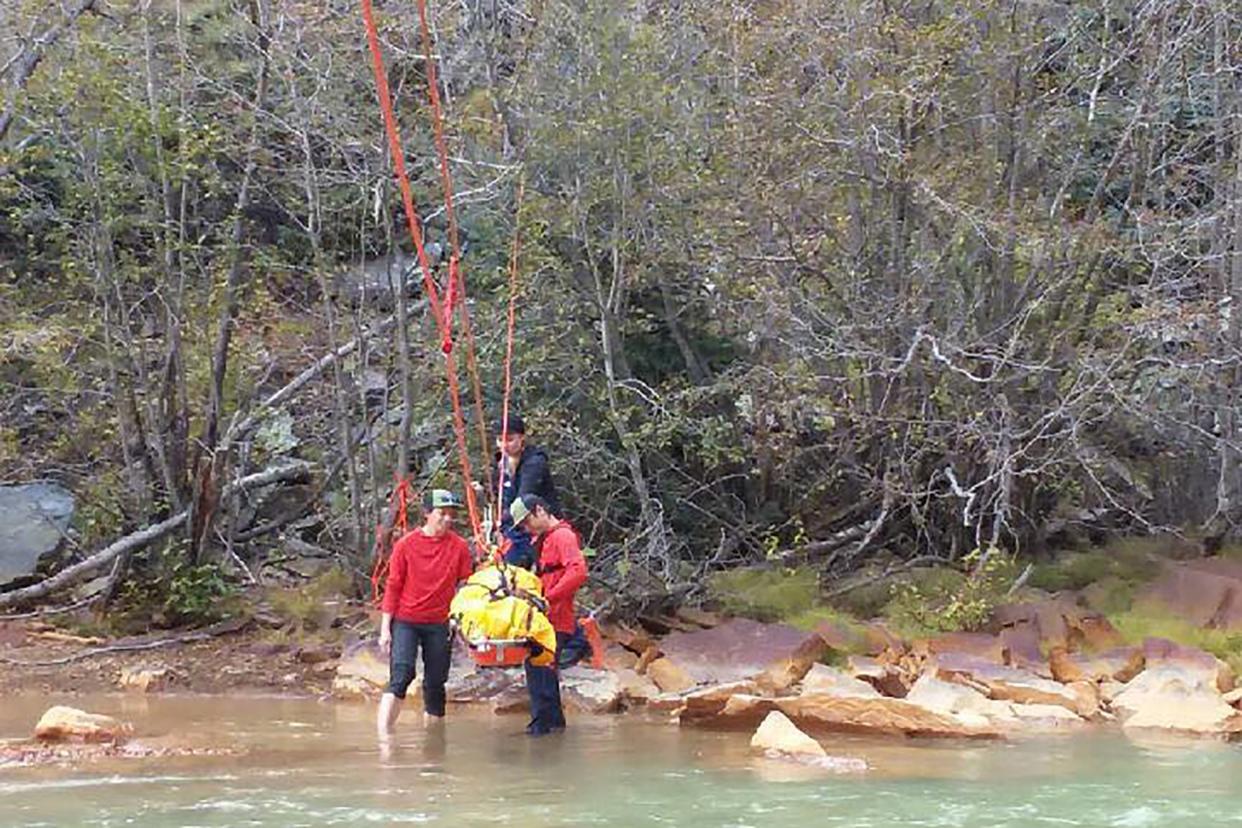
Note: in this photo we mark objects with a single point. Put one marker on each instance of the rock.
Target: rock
(743, 710)
(885, 678)
(1207, 593)
(670, 676)
(636, 641)
(1087, 695)
(878, 638)
(979, 645)
(513, 699)
(618, 658)
(1049, 716)
(1093, 633)
(636, 689)
(1121, 664)
(699, 617)
(591, 691)
(788, 670)
(1169, 698)
(145, 679)
(1160, 652)
(61, 723)
(1059, 622)
(33, 521)
(472, 686)
(1233, 697)
(644, 661)
(830, 681)
(737, 649)
(841, 637)
(778, 735)
(887, 716)
(1008, 683)
(1022, 649)
(709, 702)
(362, 672)
(315, 654)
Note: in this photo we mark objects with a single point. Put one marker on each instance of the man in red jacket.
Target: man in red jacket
(423, 573)
(562, 570)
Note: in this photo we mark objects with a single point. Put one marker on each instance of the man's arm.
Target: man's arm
(575, 566)
(392, 595)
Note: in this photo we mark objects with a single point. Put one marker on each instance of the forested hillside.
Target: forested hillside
(828, 283)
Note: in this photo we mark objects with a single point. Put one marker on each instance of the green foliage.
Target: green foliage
(312, 607)
(165, 589)
(1129, 561)
(765, 594)
(946, 600)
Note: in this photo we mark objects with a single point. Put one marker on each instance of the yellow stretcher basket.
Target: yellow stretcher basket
(500, 612)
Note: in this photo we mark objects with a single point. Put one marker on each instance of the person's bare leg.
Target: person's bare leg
(386, 718)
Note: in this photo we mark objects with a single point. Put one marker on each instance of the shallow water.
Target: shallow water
(310, 764)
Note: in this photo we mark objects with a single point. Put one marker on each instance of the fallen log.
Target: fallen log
(78, 572)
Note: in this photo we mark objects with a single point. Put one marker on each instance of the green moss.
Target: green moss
(935, 601)
(765, 594)
(1138, 624)
(1131, 561)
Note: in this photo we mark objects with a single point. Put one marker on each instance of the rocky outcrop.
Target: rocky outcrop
(1170, 699)
(591, 691)
(876, 716)
(1011, 684)
(1121, 664)
(831, 681)
(1207, 593)
(1160, 652)
(669, 675)
(636, 690)
(362, 672)
(33, 521)
(738, 649)
(145, 679)
(60, 724)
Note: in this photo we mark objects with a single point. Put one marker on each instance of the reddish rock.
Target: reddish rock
(1207, 593)
(1009, 683)
(618, 658)
(737, 649)
(1092, 633)
(636, 641)
(789, 670)
(980, 645)
(1022, 649)
(1120, 665)
(841, 637)
(636, 689)
(709, 702)
(1168, 698)
(878, 716)
(362, 672)
(878, 638)
(670, 676)
(649, 655)
(830, 681)
(699, 617)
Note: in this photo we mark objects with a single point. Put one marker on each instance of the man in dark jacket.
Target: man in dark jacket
(524, 470)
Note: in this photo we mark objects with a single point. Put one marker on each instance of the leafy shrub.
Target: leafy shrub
(1130, 560)
(765, 594)
(946, 600)
(1136, 625)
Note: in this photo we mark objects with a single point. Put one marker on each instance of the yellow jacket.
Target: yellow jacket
(495, 604)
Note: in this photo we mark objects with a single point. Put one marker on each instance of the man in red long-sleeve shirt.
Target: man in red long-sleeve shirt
(423, 573)
(562, 570)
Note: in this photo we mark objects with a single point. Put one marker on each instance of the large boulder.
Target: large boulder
(831, 681)
(1168, 698)
(1120, 664)
(778, 735)
(1058, 622)
(362, 672)
(1207, 593)
(591, 691)
(886, 677)
(60, 724)
(707, 703)
(1160, 652)
(477, 686)
(33, 521)
(669, 675)
(1011, 684)
(635, 689)
(739, 649)
(980, 645)
(876, 716)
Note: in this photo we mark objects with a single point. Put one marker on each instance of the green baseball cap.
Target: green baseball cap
(443, 499)
(519, 511)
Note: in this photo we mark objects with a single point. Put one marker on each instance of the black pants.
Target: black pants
(572, 647)
(407, 639)
(544, 686)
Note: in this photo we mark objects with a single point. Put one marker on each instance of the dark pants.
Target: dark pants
(572, 647)
(407, 639)
(521, 550)
(544, 686)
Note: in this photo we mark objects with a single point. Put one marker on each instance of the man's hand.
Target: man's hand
(385, 640)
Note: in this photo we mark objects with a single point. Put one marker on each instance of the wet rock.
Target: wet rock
(362, 672)
(33, 521)
(1169, 698)
(878, 716)
(618, 658)
(316, 654)
(737, 649)
(954, 699)
(470, 686)
(1008, 683)
(831, 681)
(743, 710)
(591, 691)
(145, 679)
(670, 676)
(60, 724)
(1207, 593)
(777, 735)
(649, 655)
(636, 641)
(709, 702)
(1046, 716)
(1121, 664)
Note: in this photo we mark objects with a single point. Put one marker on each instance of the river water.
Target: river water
(307, 763)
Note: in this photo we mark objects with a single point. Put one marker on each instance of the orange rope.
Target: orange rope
(513, 275)
(443, 316)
